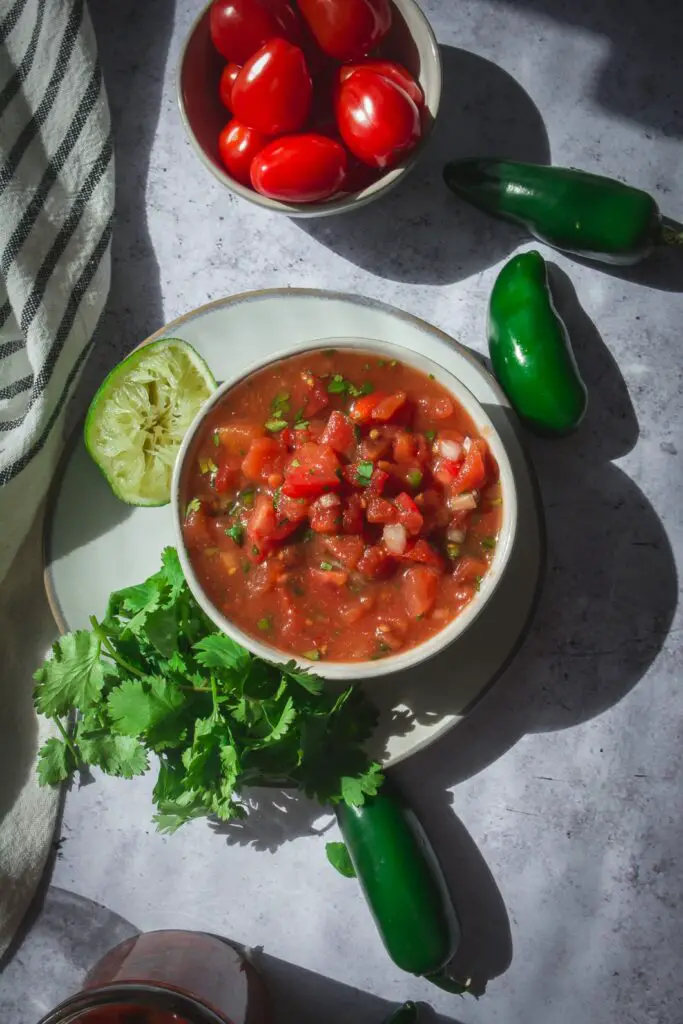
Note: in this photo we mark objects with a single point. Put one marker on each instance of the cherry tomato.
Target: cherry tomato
(238, 145)
(239, 27)
(228, 79)
(347, 29)
(396, 73)
(273, 90)
(299, 168)
(377, 120)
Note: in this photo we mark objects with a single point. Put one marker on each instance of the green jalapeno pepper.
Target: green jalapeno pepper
(530, 349)
(584, 214)
(402, 881)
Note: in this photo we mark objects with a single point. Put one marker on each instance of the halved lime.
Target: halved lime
(140, 414)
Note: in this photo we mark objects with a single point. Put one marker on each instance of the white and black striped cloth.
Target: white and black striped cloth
(56, 203)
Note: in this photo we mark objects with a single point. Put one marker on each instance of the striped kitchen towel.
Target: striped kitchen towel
(56, 203)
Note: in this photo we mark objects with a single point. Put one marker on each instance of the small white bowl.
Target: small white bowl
(411, 41)
(356, 670)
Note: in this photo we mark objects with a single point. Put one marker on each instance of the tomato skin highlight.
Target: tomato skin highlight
(390, 69)
(377, 120)
(238, 145)
(347, 29)
(273, 91)
(239, 28)
(305, 168)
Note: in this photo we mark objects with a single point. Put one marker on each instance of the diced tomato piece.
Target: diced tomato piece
(326, 515)
(468, 568)
(436, 408)
(389, 406)
(446, 471)
(196, 529)
(329, 577)
(284, 529)
(317, 398)
(353, 515)
(264, 457)
(338, 433)
(372, 448)
(226, 477)
(405, 447)
(236, 438)
(424, 553)
(419, 586)
(380, 510)
(266, 577)
(293, 509)
(460, 519)
(345, 550)
(378, 482)
(409, 514)
(314, 471)
(354, 612)
(472, 473)
(362, 408)
(262, 519)
(376, 563)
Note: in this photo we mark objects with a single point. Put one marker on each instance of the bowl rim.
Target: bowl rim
(349, 202)
(438, 642)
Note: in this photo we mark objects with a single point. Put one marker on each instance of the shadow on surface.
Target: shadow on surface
(133, 41)
(420, 232)
(640, 80)
(611, 588)
(68, 935)
(25, 615)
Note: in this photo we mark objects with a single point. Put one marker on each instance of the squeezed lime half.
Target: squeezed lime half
(138, 418)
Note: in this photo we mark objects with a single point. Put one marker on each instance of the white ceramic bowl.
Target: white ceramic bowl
(411, 41)
(435, 644)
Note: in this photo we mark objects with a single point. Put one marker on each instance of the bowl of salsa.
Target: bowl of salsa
(347, 504)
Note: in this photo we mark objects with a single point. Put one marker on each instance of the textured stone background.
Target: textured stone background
(556, 806)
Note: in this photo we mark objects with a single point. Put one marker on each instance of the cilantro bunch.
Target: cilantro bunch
(154, 677)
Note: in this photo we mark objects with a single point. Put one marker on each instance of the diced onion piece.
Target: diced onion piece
(450, 450)
(467, 444)
(455, 535)
(329, 500)
(395, 538)
(459, 502)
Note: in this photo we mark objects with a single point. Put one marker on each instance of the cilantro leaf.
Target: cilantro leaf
(313, 684)
(172, 571)
(287, 716)
(55, 762)
(354, 789)
(154, 675)
(218, 651)
(73, 677)
(162, 630)
(136, 705)
(340, 859)
(115, 755)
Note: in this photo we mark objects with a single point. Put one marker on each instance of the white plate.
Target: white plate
(94, 544)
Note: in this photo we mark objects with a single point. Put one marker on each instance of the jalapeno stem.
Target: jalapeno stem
(670, 236)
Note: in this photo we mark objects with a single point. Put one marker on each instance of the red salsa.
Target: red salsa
(340, 506)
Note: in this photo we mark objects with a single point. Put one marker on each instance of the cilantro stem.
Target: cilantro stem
(111, 650)
(214, 696)
(67, 739)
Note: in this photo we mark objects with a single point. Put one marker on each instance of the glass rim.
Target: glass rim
(158, 997)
